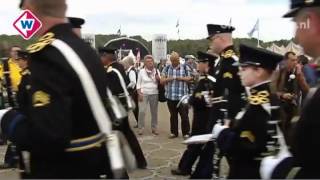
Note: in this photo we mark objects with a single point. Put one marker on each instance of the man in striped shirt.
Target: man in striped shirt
(176, 77)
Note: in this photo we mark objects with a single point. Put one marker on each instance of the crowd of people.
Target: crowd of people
(65, 106)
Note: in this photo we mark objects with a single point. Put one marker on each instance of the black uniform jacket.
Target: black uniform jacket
(59, 130)
(253, 135)
(228, 81)
(203, 120)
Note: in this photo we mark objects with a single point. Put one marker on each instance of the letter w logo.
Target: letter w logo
(27, 24)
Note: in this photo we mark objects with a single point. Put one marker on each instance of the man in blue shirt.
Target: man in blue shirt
(176, 77)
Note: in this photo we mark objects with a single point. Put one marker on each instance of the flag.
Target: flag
(119, 31)
(178, 29)
(138, 56)
(255, 28)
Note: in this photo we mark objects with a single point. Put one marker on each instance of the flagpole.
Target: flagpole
(258, 32)
(178, 27)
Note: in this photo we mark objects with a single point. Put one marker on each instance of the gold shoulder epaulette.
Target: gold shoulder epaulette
(109, 69)
(262, 97)
(45, 40)
(228, 54)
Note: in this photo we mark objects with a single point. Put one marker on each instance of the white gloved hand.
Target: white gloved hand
(217, 130)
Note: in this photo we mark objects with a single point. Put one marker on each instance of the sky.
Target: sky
(149, 17)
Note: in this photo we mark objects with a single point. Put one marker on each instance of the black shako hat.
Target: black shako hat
(214, 29)
(297, 5)
(253, 56)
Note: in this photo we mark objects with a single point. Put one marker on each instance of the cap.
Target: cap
(23, 55)
(214, 29)
(253, 56)
(106, 50)
(189, 57)
(297, 5)
(76, 22)
(205, 57)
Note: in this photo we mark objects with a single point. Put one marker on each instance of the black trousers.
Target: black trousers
(183, 111)
(204, 168)
(11, 156)
(135, 98)
(189, 157)
(133, 142)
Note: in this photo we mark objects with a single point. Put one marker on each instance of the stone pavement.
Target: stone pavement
(162, 153)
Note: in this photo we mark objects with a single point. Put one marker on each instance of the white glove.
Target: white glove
(2, 113)
(217, 130)
(207, 98)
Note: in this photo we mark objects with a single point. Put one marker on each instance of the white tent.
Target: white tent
(282, 50)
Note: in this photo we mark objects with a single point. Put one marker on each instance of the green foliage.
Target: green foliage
(183, 47)
(7, 41)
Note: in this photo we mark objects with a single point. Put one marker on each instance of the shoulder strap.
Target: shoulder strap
(99, 112)
(124, 87)
(90, 89)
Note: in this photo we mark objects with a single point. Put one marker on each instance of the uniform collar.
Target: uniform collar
(227, 49)
(110, 65)
(60, 28)
(260, 87)
(228, 52)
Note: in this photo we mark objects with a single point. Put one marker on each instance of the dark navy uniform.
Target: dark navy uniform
(117, 90)
(23, 92)
(253, 135)
(203, 121)
(59, 130)
(228, 81)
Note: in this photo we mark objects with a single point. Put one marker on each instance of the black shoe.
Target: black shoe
(5, 166)
(179, 172)
(142, 166)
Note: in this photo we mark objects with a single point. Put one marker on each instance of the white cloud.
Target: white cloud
(148, 17)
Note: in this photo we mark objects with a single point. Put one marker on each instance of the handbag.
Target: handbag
(161, 90)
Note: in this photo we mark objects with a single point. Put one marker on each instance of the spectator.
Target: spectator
(147, 88)
(176, 77)
(308, 71)
(12, 80)
(131, 72)
(190, 61)
(290, 84)
(162, 64)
